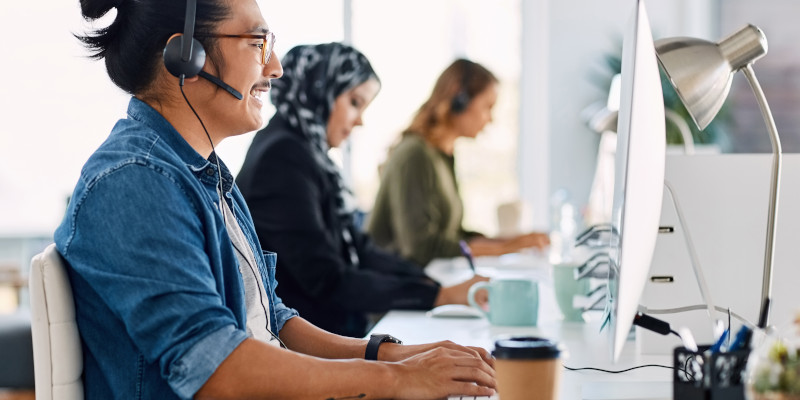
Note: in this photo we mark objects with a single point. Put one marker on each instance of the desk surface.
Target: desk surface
(586, 345)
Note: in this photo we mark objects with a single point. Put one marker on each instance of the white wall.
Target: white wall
(580, 33)
(56, 107)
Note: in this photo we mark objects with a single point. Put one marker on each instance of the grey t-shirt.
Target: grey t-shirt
(255, 293)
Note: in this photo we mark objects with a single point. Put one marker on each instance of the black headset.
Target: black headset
(184, 56)
(461, 100)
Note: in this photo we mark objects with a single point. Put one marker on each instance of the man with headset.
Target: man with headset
(174, 296)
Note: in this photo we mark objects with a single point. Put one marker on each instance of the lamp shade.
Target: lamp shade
(701, 71)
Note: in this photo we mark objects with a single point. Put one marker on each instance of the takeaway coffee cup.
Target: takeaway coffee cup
(512, 302)
(527, 368)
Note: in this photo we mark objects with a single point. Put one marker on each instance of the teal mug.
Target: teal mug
(566, 288)
(512, 302)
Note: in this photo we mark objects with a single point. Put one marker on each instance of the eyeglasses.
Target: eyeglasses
(268, 42)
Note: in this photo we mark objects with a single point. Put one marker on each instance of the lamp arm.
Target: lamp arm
(777, 153)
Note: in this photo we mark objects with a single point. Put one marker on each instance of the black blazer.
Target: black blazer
(293, 204)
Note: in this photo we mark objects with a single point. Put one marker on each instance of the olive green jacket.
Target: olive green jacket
(418, 210)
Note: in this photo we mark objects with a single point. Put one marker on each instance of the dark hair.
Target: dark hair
(132, 45)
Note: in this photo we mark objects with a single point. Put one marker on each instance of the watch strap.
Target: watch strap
(374, 344)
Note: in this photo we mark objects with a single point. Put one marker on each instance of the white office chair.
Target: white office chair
(57, 354)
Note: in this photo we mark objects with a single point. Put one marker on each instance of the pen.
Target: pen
(467, 254)
(717, 347)
(742, 340)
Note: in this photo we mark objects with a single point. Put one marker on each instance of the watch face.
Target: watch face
(391, 339)
(387, 338)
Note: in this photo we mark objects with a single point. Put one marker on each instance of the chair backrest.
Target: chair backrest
(57, 354)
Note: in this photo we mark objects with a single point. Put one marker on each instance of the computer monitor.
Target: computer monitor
(639, 177)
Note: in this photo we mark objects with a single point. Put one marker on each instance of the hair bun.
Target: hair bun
(93, 9)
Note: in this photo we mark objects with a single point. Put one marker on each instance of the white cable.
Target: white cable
(696, 307)
(698, 270)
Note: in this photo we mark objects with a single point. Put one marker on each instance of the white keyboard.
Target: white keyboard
(473, 398)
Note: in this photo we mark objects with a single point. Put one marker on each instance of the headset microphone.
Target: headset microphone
(213, 79)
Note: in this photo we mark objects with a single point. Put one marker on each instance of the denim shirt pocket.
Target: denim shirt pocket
(270, 261)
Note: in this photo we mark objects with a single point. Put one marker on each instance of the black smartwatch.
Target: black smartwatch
(375, 342)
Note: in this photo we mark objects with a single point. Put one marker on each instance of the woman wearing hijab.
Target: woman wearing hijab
(328, 269)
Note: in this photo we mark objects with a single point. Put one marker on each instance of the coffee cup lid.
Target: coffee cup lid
(526, 347)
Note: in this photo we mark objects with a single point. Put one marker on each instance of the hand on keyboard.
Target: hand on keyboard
(443, 370)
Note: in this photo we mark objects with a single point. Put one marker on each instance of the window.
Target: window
(51, 138)
(293, 25)
(409, 51)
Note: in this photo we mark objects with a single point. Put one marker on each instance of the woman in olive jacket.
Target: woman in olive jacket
(418, 211)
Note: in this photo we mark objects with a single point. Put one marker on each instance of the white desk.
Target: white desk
(586, 345)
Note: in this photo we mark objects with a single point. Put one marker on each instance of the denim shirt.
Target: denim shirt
(159, 298)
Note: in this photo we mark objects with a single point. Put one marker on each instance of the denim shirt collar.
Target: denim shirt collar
(204, 169)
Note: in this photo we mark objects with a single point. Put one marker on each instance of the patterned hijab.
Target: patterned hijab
(313, 77)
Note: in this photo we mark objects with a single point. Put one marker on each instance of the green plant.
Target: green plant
(714, 132)
(774, 367)
(779, 372)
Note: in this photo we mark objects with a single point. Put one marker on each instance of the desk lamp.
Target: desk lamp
(701, 72)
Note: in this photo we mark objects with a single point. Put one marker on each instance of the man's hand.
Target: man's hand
(399, 352)
(447, 369)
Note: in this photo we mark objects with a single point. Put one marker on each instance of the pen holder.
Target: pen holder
(716, 376)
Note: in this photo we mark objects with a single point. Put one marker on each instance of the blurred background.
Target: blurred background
(553, 58)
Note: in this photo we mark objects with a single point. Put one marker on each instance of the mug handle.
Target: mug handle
(471, 296)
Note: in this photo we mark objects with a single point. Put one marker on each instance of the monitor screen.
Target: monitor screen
(639, 176)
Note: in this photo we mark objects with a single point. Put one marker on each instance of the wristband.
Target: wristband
(375, 342)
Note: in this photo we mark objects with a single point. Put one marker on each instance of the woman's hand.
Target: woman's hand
(537, 240)
(499, 246)
(457, 294)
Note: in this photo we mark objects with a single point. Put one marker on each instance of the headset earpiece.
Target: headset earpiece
(184, 56)
(461, 100)
(174, 61)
